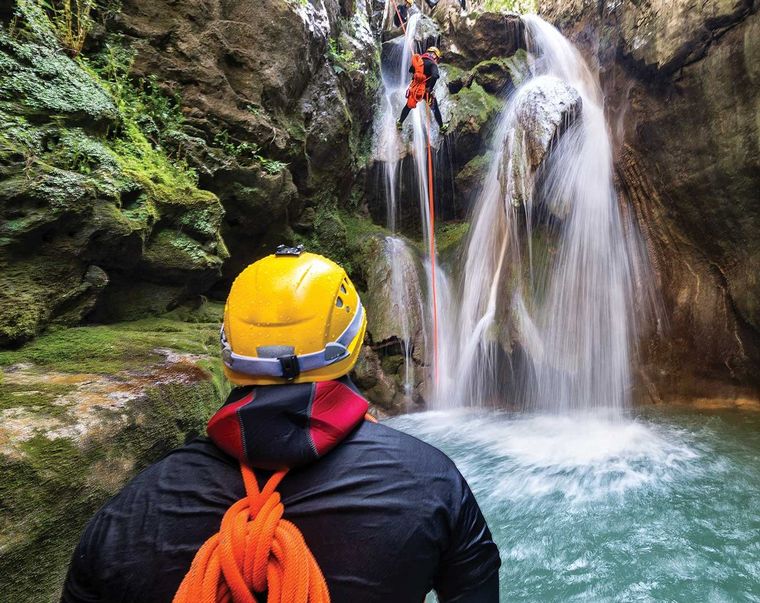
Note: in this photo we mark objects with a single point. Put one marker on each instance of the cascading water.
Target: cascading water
(541, 312)
(545, 305)
(390, 148)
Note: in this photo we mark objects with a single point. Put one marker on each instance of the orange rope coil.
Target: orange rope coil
(255, 551)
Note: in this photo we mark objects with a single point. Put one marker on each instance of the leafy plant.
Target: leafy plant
(70, 20)
(341, 60)
(236, 149)
(231, 147)
(271, 166)
(518, 6)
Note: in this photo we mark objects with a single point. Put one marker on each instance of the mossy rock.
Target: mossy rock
(83, 188)
(50, 83)
(83, 410)
(174, 255)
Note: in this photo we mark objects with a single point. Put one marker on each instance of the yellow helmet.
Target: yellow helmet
(435, 50)
(291, 317)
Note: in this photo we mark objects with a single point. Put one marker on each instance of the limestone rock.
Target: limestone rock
(544, 108)
(682, 94)
(81, 192)
(473, 38)
(284, 85)
(82, 411)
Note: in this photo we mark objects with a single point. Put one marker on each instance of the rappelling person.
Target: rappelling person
(296, 494)
(402, 13)
(425, 74)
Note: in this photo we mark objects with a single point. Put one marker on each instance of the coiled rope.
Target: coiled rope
(255, 551)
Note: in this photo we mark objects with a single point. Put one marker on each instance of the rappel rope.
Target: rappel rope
(400, 20)
(431, 226)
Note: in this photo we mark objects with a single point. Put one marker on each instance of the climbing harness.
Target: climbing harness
(417, 90)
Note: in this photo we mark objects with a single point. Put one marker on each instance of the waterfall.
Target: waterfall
(390, 148)
(545, 312)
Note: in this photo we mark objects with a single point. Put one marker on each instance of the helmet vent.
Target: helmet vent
(343, 288)
(339, 302)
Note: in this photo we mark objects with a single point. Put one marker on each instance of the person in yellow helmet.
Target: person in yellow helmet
(358, 511)
(425, 75)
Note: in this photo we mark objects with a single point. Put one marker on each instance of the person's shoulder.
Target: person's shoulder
(408, 449)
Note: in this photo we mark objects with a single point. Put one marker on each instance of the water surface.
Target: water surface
(662, 506)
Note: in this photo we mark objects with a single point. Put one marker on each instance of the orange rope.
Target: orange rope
(403, 23)
(255, 551)
(431, 208)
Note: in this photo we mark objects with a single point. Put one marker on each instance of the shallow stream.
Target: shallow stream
(661, 506)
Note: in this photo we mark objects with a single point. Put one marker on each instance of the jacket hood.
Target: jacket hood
(283, 426)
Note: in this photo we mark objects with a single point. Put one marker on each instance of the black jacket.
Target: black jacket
(401, 14)
(387, 516)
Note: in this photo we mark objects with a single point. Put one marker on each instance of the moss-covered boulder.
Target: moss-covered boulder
(82, 411)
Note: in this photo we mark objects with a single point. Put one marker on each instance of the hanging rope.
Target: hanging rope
(400, 20)
(431, 211)
(255, 551)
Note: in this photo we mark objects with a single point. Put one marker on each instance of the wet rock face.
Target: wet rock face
(393, 329)
(86, 212)
(470, 39)
(279, 93)
(683, 98)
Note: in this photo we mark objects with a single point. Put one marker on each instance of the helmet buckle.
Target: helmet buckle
(284, 250)
(290, 367)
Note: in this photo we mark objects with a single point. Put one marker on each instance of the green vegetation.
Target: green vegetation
(342, 60)
(109, 349)
(240, 150)
(518, 6)
(342, 237)
(449, 235)
(54, 478)
(93, 167)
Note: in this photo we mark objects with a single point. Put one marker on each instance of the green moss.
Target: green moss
(47, 82)
(473, 106)
(519, 67)
(449, 235)
(52, 485)
(109, 349)
(49, 494)
(518, 6)
(86, 174)
(342, 237)
(37, 396)
(172, 250)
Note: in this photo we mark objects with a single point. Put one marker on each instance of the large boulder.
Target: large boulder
(472, 38)
(543, 109)
(683, 97)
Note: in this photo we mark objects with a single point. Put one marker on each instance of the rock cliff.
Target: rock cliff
(681, 81)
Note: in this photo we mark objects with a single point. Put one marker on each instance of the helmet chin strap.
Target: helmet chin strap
(289, 367)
